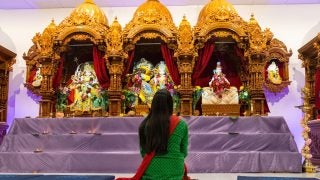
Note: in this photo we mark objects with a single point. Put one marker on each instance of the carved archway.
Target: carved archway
(86, 24)
(151, 26)
(218, 19)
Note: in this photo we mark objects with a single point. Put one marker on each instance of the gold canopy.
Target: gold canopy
(219, 10)
(88, 11)
(219, 14)
(87, 18)
(151, 15)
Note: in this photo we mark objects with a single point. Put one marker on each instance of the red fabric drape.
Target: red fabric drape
(32, 74)
(239, 52)
(172, 67)
(230, 69)
(57, 78)
(317, 89)
(203, 60)
(130, 62)
(100, 68)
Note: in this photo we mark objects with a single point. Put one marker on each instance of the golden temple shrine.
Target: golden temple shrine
(85, 67)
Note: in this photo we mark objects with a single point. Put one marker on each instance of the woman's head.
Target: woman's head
(162, 103)
(154, 130)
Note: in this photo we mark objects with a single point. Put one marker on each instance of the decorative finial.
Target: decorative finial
(252, 16)
(89, 1)
(253, 19)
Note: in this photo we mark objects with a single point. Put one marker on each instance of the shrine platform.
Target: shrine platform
(110, 145)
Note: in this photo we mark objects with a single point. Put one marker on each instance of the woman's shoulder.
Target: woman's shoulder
(182, 123)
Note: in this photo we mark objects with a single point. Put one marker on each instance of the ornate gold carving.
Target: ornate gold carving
(276, 88)
(86, 13)
(185, 53)
(115, 40)
(86, 18)
(10, 64)
(44, 42)
(258, 39)
(219, 14)
(225, 33)
(79, 37)
(277, 50)
(185, 38)
(151, 20)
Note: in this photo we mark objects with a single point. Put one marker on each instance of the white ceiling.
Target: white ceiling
(47, 4)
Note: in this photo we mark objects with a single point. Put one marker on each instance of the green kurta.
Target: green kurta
(171, 165)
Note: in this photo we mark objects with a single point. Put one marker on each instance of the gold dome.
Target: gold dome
(217, 10)
(88, 11)
(152, 12)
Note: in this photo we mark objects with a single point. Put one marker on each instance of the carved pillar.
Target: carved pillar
(115, 66)
(314, 135)
(185, 70)
(258, 99)
(115, 57)
(7, 59)
(46, 90)
(185, 55)
(4, 80)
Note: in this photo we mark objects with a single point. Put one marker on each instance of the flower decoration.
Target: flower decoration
(128, 98)
(244, 95)
(61, 103)
(196, 96)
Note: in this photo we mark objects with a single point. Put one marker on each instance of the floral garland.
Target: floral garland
(219, 83)
(61, 101)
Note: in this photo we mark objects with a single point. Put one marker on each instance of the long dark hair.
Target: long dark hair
(154, 129)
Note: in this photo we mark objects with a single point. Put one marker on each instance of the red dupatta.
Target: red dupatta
(174, 121)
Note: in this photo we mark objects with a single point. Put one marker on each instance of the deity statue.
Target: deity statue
(142, 74)
(161, 78)
(219, 90)
(37, 78)
(219, 82)
(86, 94)
(273, 73)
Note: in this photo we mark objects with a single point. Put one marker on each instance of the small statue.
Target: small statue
(85, 92)
(218, 81)
(273, 73)
(162, 79)
(37, 78)
(142, 73)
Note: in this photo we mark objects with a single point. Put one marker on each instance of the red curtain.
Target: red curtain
(100, 68)
(198, 77)
(239, 53)
(172, 67)
(317, 88)
(230, 69)
(57, 78)
(130, 62)
(32, 74)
